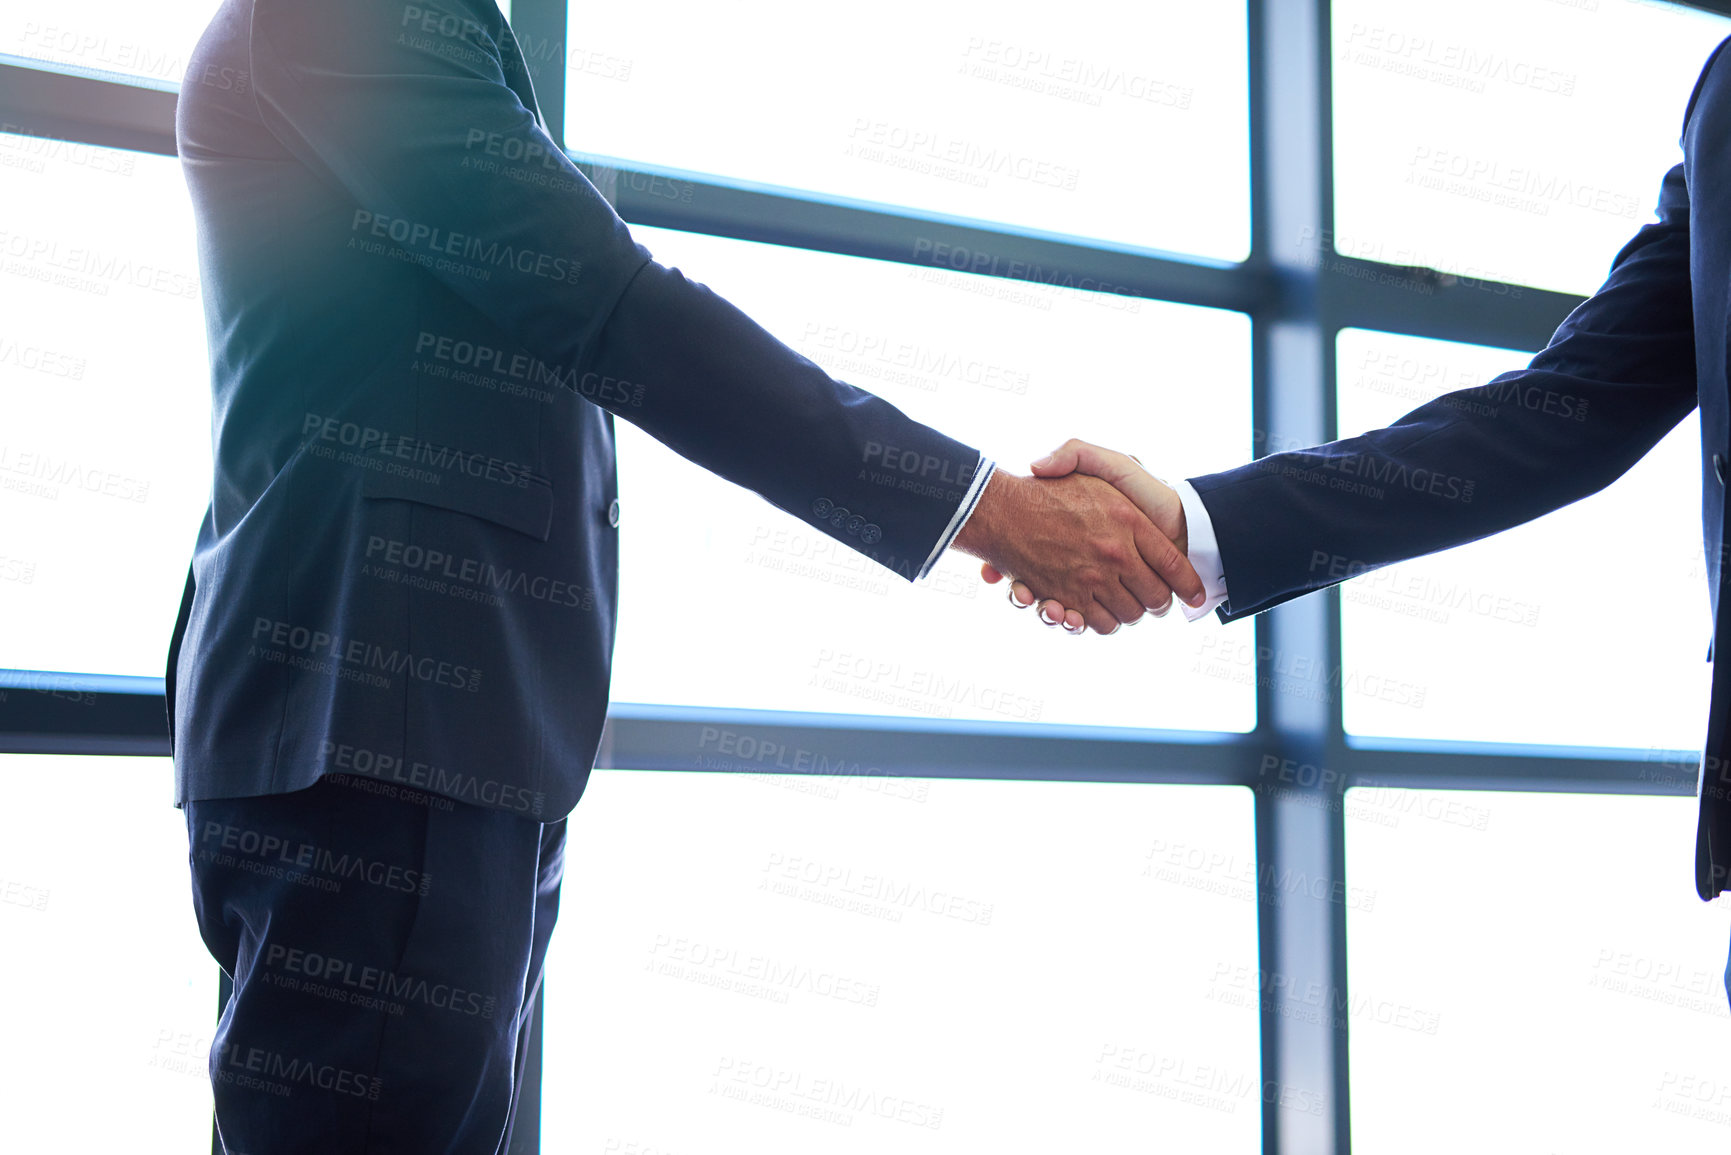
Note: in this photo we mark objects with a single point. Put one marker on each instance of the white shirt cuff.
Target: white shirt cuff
(982, 474)
(1204, 551)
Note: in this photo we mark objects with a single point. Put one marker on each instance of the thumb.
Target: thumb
(1062, 461)
(1077, 456)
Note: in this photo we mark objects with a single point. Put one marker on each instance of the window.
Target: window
(1534, 967)
(1567, 634)
(1115, 121)
(111, 995)
(1508, 140)
(869, 964)
(104, 406)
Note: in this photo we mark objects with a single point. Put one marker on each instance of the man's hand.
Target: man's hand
(1153, 497)
(1077, 541)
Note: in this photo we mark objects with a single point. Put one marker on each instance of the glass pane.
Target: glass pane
(870, 964)
(111, 996)
(1508, 140)
(1121, 121)
(1566, 983)
(1011, 367)
(104, 406)
(1537, 596)
(151, 42)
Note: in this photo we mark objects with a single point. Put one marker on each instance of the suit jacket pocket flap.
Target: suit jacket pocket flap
(523, 503)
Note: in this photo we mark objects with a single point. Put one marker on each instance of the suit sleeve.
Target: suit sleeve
(409, 111)
(1618, 375)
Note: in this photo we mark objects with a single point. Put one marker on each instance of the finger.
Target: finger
(1147, 588)
(1021, 595)
(990, 574)
(1074, 622)
(1119, 602)
(1170, 565)
(1100, 619)
(1158, 502)
(1053, 613)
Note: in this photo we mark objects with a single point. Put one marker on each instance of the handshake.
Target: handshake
(1093, 536)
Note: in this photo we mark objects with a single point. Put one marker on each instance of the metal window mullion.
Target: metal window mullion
(752, 741)
(43, 102)
(907, 236)
(1300, 832)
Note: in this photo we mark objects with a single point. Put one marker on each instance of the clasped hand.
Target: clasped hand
(1093, 536)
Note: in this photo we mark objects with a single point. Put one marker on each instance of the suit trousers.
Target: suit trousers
(385, 947)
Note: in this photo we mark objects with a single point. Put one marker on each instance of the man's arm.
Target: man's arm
(740, 403)
(1618, 375)
(410, 113)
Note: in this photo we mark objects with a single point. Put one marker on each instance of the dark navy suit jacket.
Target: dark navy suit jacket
(1639, 355)
(422, 319)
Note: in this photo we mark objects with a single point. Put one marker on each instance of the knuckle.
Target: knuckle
(1115, 554)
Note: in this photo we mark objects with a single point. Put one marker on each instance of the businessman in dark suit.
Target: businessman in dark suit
(390, 669)
(1634, 360)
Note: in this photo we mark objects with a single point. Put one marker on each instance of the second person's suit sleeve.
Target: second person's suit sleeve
(1618, 375)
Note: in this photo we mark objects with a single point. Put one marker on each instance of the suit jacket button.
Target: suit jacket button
(1719, 467)
(613, 514)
